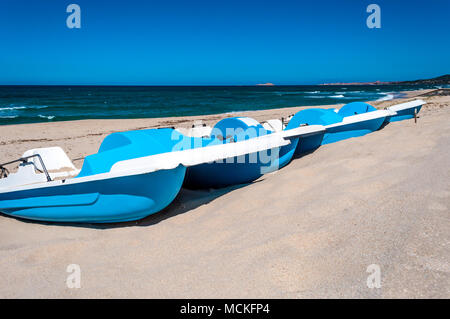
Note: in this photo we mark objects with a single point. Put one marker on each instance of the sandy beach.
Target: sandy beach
(308, 230)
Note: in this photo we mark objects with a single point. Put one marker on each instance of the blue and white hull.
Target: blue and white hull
(249, 167)
(352, 120)
(99, 200)
(405, 111)
(232, 170)
(354, 126)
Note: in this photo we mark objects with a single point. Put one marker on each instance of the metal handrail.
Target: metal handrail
(25, 160)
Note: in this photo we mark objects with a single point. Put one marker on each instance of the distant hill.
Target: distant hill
(440, 80)
(444, 79)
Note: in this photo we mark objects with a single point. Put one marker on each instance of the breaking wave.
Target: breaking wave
(48, 117)
(387, 97)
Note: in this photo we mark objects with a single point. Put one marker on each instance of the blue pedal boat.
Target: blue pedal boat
(405, 111)
(352, 120)
(134, 174)
(312, 136)
(247, 168)
(358, 119)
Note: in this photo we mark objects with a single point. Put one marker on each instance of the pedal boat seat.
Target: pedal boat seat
(56, 161)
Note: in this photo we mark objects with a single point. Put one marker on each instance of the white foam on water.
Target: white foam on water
(8, 117)
(387, 97)
(10, 108)
(49, 117)
(235, 112)
(337, 96)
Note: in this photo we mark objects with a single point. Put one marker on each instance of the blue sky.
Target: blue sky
(218, 42)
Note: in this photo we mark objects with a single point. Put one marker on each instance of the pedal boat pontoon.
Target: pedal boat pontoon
(313, 136)
(352, 120)
(358, 119)
(134, 174)
(405, 111)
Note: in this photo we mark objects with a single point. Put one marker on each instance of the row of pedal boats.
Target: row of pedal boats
(138, 173)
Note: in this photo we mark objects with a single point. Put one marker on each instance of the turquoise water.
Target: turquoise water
(31, 104)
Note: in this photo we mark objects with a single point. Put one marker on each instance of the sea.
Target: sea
(33, 104)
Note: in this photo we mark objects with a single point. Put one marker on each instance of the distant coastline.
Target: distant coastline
(360, 83)
(440, 80)
(265, 84)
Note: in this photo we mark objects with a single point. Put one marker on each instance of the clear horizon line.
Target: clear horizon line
(267, 84)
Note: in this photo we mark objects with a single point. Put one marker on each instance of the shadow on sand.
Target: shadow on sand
(185, 201)
(306, 153)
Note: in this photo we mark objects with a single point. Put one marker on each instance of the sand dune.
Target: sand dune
(308, 230)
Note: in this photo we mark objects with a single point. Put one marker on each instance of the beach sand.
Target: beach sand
(308, 230)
